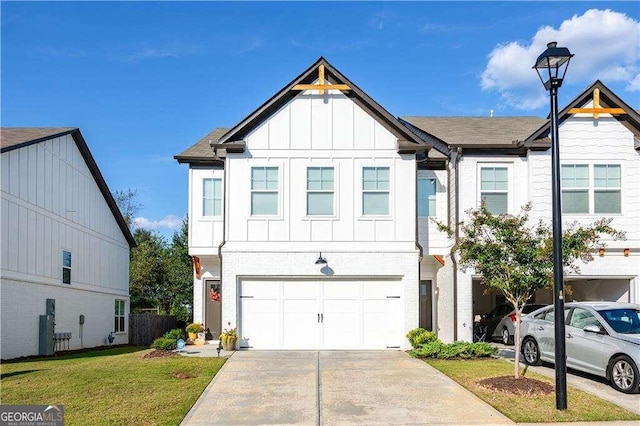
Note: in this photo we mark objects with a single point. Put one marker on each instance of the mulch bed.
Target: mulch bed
(521, 386)
(159, 353)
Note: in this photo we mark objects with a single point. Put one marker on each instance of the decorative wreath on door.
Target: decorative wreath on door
(214, 295)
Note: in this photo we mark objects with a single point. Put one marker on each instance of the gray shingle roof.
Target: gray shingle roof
(478, 131)
(12, 136)
(201, 150)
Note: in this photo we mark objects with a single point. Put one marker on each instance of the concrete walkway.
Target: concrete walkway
(335, 387)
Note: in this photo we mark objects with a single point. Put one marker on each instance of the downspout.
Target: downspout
(456, 161)
(418, 245)
(224, 214)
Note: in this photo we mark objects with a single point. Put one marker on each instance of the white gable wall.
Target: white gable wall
(312, 131)
(51, 203)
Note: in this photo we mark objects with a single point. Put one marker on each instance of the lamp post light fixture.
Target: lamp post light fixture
(554, 62)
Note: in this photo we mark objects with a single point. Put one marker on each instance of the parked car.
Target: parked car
(505, 331)
(602, 338)
(499, 324)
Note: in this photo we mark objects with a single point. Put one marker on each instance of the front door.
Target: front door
(213, 308)
(425, 305)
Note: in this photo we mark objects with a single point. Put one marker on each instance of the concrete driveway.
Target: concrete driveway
(335, 387)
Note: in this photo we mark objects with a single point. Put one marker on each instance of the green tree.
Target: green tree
(147, 269)
(516, 258)
(178, 293)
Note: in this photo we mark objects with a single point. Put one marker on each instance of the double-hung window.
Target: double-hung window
(66, 267)
(264, 191)
(591, 189)
(320, 184)
(211, 197)
(119, 318)
(575, 188)
(426, 197)
(494, 189)
(607, 184)
(375, 191)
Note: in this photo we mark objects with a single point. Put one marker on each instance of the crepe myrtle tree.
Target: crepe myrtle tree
(516, 258)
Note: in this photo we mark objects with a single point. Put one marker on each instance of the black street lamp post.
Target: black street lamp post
(555, 60)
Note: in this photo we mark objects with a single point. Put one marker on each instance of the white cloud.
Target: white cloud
(171, 50)
(606, 45)
(167, 222)
(634, 85)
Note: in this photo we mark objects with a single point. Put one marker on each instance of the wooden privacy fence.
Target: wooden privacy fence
(145, 328)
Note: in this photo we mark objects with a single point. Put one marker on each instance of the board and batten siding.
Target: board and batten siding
(51, 203)
(323, 131)
(205, 232)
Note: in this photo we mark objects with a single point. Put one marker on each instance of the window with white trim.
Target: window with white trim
(591, 189)
(264, 191)
(211, 197)
(66, 267)
(575, 188)
(320, 184)
(426, 197)
(607, 188)
(494, 189)
(119, 318)
(375, 191)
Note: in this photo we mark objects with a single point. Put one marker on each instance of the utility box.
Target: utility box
(51, 307)
(46, 336)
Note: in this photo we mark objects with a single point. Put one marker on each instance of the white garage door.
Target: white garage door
(331, 314)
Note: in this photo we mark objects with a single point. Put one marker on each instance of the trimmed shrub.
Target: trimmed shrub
(428, 350)
(413, 333)
(424, 338)
(164, 343)
(174, 334)
(420, 336)
(456, 350)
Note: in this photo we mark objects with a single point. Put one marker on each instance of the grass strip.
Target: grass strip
(111, 387)
(582, 406)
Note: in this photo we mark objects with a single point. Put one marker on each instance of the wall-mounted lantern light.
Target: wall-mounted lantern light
(321, 260)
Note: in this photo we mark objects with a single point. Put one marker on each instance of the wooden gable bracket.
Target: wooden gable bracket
(597, 110)
(322, 86)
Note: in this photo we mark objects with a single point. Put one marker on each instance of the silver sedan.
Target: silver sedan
(602, 338)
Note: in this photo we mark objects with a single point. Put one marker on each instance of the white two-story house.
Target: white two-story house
(310, 220)
(65, 246)
(303, 219)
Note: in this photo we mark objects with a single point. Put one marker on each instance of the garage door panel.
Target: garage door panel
(300, 290)
(381, 323)
(259, 323)
(261, 289)
(380, 289)
(340, 290)
(300, 326)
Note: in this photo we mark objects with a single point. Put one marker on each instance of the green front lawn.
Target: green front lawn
(530, 409)
(114, 386)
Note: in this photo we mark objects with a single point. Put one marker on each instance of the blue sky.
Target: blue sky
(143, 81)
